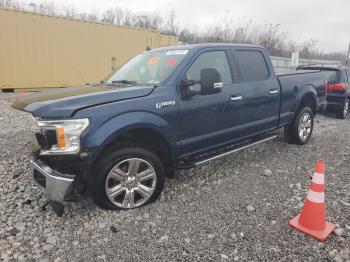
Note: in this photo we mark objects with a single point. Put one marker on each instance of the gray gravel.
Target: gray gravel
(233, 209)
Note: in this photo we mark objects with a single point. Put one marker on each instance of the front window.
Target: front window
(211, 59)
(150, 68)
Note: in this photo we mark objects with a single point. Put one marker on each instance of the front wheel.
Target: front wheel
(300, 131)
(127, 178)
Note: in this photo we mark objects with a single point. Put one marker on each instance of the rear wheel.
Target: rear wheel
(342, 113)
(127, 178)
(300, 131)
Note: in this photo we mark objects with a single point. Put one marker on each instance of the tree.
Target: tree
(308, 49)
(128, 17)
(108, 16)
(119, 15)
(93, 17)
(69, 11)
(171, 27)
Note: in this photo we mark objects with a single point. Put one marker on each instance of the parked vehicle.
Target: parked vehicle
(174, 107)
(338, 87)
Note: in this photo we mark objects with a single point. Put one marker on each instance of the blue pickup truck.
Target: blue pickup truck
(166, 109)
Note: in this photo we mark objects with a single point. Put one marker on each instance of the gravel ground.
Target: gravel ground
(233, 209)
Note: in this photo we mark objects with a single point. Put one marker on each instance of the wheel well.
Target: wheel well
(144, 137)
(308, 100)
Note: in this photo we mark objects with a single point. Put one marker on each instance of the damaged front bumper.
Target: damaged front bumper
(55, 185)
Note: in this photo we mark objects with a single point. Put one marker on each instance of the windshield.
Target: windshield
(151, 68)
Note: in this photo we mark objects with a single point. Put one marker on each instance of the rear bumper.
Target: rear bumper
(335, 101)
(54, 184)
(335, 106)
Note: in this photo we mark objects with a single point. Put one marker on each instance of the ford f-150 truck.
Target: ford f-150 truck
(165, 109)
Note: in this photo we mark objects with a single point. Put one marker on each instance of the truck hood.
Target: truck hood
(64, 102)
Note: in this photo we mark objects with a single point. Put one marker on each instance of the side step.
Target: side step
(187, 164)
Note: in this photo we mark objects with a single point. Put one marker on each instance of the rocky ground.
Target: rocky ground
(233, 209)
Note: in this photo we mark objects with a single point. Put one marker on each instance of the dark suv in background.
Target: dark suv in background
(338, 88)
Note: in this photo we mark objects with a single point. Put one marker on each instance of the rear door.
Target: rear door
(255, 93)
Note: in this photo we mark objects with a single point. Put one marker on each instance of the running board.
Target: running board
(241, 147)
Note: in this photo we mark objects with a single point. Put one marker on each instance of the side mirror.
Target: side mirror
(211, 82)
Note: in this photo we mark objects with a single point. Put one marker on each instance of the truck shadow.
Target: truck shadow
(327, 114)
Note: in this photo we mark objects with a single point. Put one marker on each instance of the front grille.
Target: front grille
(64, 164)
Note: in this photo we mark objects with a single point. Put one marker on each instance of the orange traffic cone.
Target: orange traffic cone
(312, 219)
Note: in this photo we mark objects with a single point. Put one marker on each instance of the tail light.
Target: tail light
(335, 87)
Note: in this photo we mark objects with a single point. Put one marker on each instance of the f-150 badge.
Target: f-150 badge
(165, 104)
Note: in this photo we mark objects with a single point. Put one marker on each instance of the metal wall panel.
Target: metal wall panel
(40, 51)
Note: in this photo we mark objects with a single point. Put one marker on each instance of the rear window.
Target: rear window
(331, 76)
(252, 66)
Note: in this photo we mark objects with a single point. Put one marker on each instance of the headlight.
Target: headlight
(67, 135)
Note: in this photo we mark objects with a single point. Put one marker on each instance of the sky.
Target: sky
(324, 20)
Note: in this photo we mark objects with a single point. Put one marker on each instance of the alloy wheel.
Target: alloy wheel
(305, 125)
(346, 108)
(130, 183)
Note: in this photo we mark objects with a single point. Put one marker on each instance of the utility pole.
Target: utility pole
(347, 57)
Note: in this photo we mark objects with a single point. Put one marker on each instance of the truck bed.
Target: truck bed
(292, 82)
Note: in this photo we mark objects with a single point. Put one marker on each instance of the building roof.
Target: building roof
(204, 45)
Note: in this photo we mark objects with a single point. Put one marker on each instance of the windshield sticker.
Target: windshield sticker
(154, 60)
(177, 52)
(171, 62)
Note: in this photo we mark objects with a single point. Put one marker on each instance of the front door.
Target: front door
(201, 115)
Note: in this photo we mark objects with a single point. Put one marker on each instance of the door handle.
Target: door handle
(235, 98)
(274, 91)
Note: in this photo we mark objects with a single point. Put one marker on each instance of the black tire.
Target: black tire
(343, 113)
(291, 132)
(109, 160)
